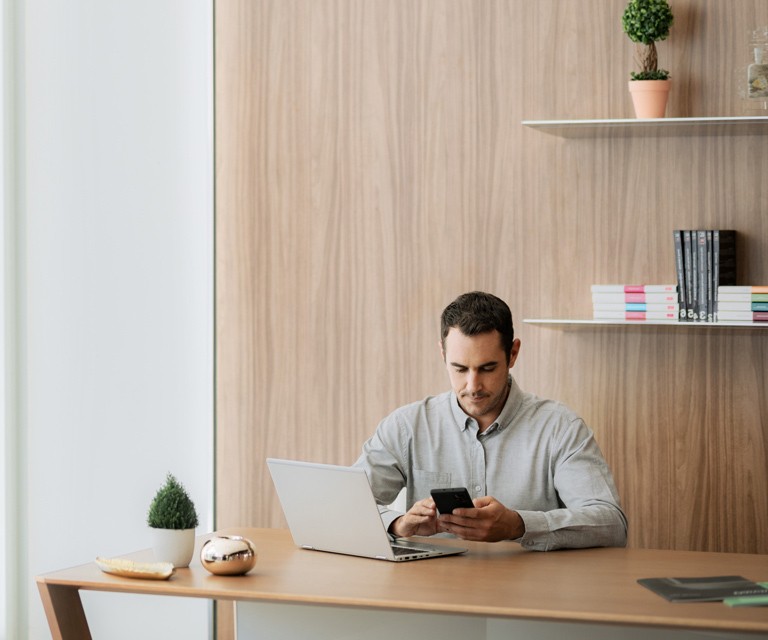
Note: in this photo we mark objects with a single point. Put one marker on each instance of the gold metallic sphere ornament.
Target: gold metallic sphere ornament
(228, 555)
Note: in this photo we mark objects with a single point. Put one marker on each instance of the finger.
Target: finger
(461, 531)
(423, 525)
(463, 517)
(423, 517)
(426, 507)
(428, 503)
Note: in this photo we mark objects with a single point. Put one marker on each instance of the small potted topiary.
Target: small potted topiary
(172, 519)
(646, 22)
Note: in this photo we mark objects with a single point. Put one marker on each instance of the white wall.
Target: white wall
(115, 308)
(7, 468)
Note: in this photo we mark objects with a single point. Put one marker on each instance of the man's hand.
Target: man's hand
(421, 520)
(489, 521)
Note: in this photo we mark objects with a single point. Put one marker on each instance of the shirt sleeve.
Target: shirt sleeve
(590, 515)
(382, 461)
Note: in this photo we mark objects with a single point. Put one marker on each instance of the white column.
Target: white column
(116, 280)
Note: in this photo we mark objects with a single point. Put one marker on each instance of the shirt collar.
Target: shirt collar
(510, 408)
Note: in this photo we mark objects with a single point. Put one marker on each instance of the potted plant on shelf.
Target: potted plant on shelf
(646, 22)
(172, 519)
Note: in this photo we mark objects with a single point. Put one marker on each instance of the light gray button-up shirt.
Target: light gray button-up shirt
(538, 458)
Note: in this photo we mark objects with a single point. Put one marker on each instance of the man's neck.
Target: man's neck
(485, 422)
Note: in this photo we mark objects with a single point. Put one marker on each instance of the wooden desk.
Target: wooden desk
(492, 580)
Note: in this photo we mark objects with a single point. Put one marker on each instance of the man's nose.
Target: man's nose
(473, 381)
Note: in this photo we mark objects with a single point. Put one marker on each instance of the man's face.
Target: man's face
(478, 370)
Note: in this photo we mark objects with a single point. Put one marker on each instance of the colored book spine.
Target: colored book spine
(680, 269)
(656, 297)
(671, 316)
(724, 263)
(640, 306)
(652, 315)
(634, 288)
(701, 247)
(710, 276)
(735, 316)
(735, 289)
(736, 305)
(743, 316)
(715, 281)
(688, 266)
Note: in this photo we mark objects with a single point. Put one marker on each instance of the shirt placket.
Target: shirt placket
(478, 484)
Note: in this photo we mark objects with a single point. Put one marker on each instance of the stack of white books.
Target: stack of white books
(635, 302)
(742, 304)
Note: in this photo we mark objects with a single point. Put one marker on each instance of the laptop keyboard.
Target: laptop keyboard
(405, 551)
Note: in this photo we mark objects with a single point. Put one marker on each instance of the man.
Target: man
(532, 466)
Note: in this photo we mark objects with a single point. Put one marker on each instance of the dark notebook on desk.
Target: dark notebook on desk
(332, 508)
(704, 589)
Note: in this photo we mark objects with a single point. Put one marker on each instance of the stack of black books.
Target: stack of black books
(705, 259)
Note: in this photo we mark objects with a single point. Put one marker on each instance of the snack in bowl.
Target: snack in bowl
(131, 569)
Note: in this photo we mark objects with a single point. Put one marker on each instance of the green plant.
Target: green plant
(646, 22)
(172, 508)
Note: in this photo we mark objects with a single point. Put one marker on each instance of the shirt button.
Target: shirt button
(478, 488)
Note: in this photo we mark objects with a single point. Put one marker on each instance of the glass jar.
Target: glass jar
(756, 89)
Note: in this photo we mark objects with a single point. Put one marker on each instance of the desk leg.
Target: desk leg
(64, 611)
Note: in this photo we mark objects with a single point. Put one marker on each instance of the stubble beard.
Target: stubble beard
(494, 403)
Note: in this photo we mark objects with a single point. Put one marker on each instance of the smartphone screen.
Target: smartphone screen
(449, 499)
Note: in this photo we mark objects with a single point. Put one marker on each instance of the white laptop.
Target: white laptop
(332, 508)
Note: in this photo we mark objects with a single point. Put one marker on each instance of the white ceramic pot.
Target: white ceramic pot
(173, 545)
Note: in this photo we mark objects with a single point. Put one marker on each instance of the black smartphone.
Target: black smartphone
(449, 499)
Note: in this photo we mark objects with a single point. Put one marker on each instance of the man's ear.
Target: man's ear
(514, 352)
(442, 351)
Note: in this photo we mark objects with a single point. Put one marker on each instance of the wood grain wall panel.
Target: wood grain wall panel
(371, 165)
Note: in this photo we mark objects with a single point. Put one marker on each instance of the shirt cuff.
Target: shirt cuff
(536, 530)
(388, 516)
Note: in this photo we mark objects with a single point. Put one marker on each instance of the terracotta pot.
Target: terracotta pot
(649, 97)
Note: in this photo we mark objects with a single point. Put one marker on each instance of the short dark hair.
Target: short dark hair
(478, 312)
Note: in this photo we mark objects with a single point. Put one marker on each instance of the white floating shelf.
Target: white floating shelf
(653, 127)
(641, 323)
